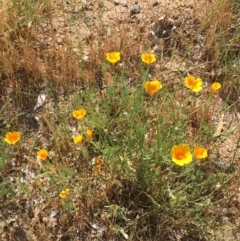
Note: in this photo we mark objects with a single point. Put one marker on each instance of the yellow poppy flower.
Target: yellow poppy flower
(64, 193)
(12, 137)
(42, 154)
(78, 139)
(215, 87)
(148, 58)
(200, 152)
(113, 57)
(79, 114)
(195, 84)
(181, 154)
(152, 86)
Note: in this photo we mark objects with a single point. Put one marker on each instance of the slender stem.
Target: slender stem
(146, 77)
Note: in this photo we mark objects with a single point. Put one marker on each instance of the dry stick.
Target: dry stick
(121, 44)
(51, 128)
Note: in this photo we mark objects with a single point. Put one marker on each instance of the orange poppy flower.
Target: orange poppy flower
(215, 87)
(97, 166)
(153, 86)
(42, 154)
(181, 154)
(12, 137)
(89, 134)
(195, 84)
(200, 152)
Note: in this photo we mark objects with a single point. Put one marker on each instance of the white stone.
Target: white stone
(123, 2)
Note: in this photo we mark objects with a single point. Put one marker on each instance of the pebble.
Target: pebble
(85, 58)
(59, 40)
(123, 2)
(135, 10)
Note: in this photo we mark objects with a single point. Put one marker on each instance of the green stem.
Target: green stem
(146, 77)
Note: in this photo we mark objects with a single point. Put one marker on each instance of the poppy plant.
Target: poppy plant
(113, 57)
(195, 84)
(152, 87)
(200, 152)
(79, 114)
(215, 87)
(78, 139)
(42, 154)
(148, 58)
(12, 137)
(64, 193)
(181, 154)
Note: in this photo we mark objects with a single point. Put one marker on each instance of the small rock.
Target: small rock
(123, 2)
(59, 40)
(109, 32)
(40, 101)
(135, 10)
(155, 4)
(20, 234)
(76, 50)
(85, 58)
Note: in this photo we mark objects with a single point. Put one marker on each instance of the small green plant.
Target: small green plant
(5, 191)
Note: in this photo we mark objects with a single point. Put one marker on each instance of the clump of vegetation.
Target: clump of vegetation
(110, 146)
